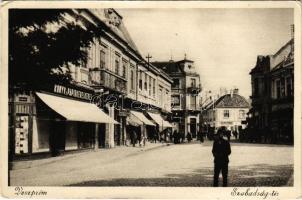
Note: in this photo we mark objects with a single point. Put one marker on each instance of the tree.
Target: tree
(43, 45)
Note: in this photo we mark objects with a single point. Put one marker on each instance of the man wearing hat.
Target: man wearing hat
(221, 151)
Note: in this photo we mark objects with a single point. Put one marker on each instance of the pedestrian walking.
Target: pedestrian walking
(235, 133)
(182, 137)
(228, 134)
(200, 136)
(221, 151)
(189, 137)
(139, 136)
(133, 136)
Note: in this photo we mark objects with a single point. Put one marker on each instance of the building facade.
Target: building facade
(228, 111)
(185, 95)
(116, 88)
(129, 83)
(272, 95)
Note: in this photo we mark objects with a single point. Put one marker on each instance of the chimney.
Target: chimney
(236, 91)
(231, 93)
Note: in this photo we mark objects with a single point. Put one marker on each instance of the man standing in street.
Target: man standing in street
(221, 151)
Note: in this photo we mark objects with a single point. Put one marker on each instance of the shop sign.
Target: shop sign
(67, 91)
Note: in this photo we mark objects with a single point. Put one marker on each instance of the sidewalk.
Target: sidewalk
(126, 151)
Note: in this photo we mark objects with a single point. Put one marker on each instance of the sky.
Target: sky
(223, 43)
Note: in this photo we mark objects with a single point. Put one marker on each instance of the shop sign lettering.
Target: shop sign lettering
(59, 89)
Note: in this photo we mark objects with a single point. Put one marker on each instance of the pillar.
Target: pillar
(109, 134)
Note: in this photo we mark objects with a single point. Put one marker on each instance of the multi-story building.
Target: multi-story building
(185, 95)
(116, 77)
(229, 110)
(127, 79)
(272, 95)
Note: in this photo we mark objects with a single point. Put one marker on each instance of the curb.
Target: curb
(25, 164)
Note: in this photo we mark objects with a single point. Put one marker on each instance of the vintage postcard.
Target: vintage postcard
(151, 99)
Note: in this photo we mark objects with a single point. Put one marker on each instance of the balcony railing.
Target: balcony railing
(109, 80)
(194, 89)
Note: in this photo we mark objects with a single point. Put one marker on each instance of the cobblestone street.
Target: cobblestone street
(161, 165)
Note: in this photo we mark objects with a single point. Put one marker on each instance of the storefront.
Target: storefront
(164, 127)
(138, 121)
(163, 124)
(53, 120)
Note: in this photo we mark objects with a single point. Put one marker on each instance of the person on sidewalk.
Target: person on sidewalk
(221, 151)
(189, 137)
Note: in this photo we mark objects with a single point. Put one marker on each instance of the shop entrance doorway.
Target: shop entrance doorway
(193, 127)
(57, 138)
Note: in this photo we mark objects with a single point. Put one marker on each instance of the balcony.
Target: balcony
(193, 89)
(109, 80)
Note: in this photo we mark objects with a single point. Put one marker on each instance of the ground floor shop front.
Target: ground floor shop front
(186, 122)
(48, 123)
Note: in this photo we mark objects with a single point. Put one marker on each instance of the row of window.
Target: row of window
(280, 87)
(120, 64)
(176, 83)
(175, 101)
(148, 81)
(226, 114)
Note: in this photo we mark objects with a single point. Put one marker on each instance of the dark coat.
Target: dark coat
(221, 151)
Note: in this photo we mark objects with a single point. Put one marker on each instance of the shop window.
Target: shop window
(226, 114)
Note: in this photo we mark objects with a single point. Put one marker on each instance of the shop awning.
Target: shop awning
(159, 120)
(142, 118)
(134, 121)
(74, 110)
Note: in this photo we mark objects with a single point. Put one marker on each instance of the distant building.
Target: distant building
(272, 95)
(229, 110)
(185, 95)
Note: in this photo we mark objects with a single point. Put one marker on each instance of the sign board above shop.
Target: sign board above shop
(72, 92)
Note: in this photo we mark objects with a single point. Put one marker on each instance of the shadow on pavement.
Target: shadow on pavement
(244, 176)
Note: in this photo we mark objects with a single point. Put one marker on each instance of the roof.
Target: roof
(168, 66)
(185, 60)
(234, 101)
(118, 28)
(263, 63)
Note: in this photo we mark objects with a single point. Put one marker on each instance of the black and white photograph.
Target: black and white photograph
(152, 97)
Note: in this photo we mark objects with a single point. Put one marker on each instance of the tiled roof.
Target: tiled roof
(228, 101)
